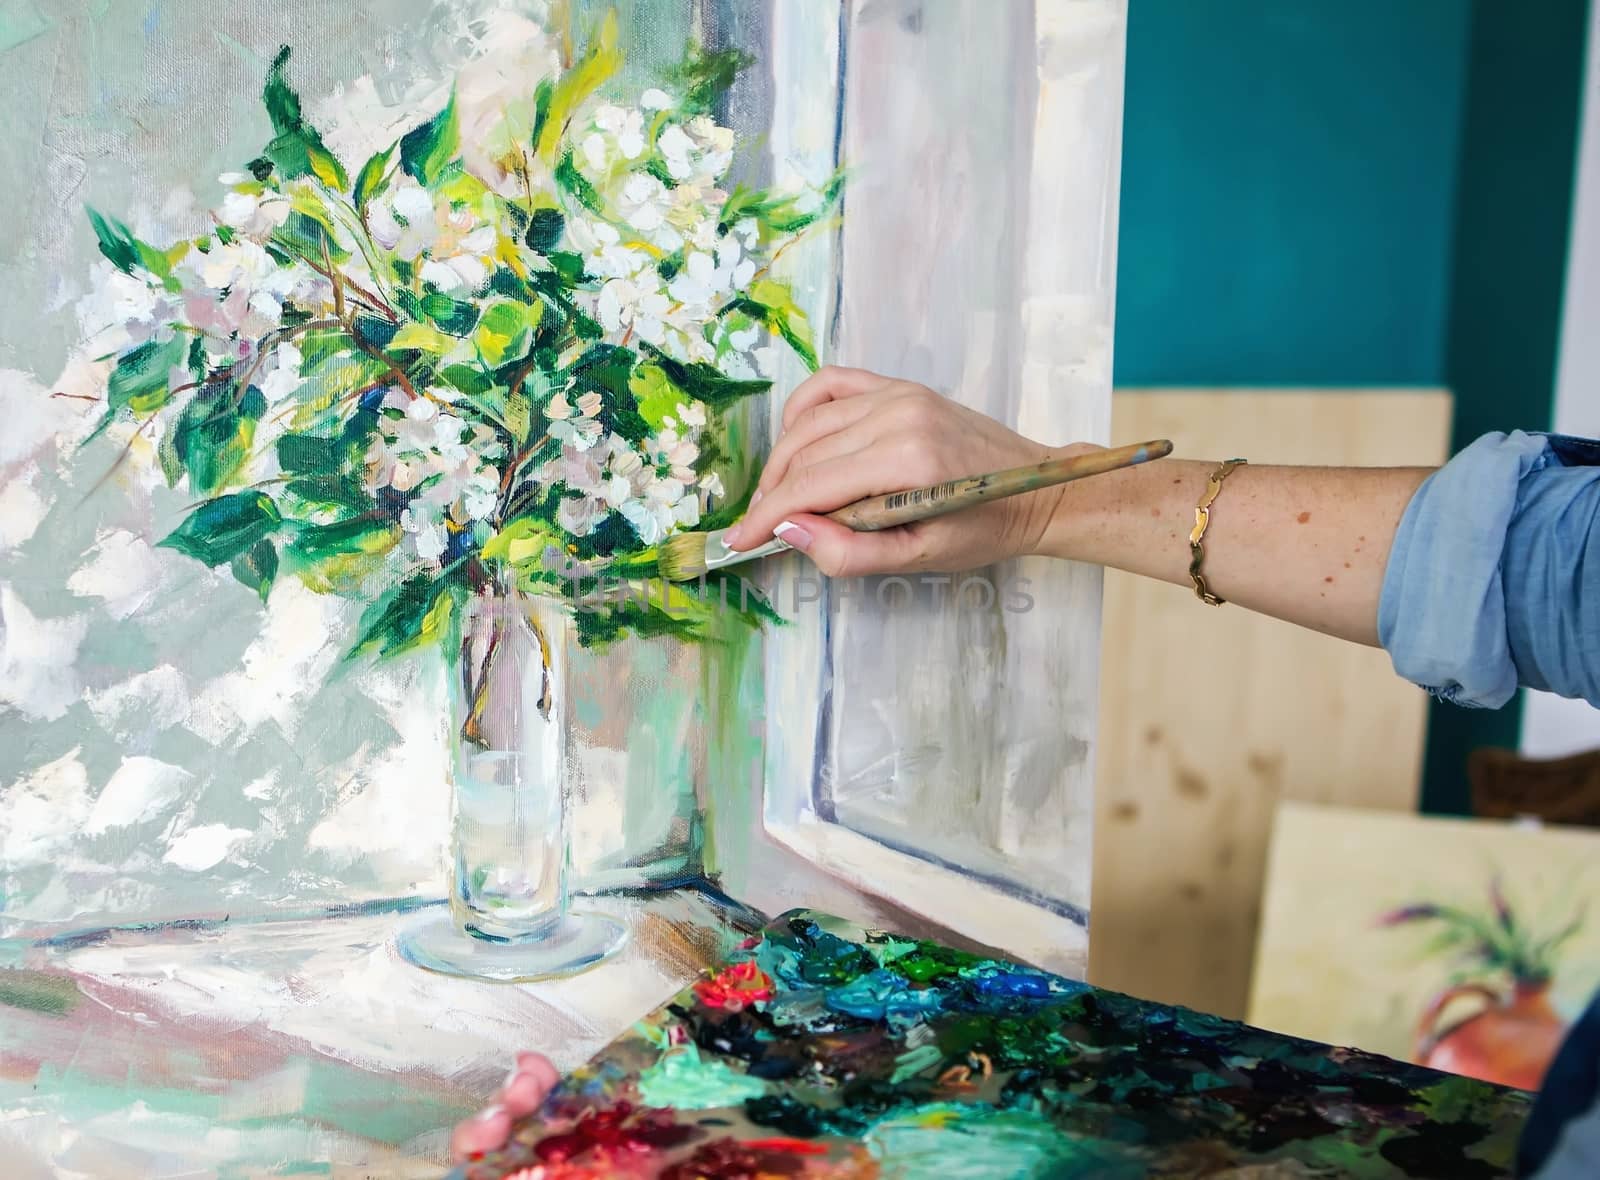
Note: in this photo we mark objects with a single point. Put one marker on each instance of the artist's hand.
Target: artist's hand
(524, 1091)
(848, 434)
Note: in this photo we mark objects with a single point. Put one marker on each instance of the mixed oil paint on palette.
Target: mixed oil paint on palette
(820, 1049)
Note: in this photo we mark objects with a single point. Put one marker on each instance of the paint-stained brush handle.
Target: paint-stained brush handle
(897, 508)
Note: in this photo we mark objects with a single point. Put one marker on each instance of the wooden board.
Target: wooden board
(1209, 717)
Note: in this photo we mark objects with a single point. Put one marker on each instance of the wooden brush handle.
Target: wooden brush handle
(897, 508)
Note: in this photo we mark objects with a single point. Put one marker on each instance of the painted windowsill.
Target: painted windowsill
(975, 910)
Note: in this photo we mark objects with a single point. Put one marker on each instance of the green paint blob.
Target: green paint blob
(39, 992)
(686, 1081)
(954, 1142)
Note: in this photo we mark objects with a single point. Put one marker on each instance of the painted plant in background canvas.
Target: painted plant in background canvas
(501, 357)
(1494, 1019)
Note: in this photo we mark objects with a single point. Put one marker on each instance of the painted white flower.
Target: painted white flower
(692, 415)
(256, 214)
(652, 522)
(621, 129)
(711, 484)
(121, 310)
(644, 203)
(578, 469)
(427, 532)
(480, 493)
(636, 305)
(575, 426)
(676, 453)
(699, 152)
(656, 100)
(601, 247)
(404, 220)
(229, 265)
(284, 376)
(580, 514)
(456, 247)
(706, 278)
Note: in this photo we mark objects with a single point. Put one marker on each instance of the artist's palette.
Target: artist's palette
(824, 1050)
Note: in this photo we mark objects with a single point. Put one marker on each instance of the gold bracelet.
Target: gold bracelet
(1202, 519)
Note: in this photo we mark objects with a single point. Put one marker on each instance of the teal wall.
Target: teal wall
(1354, 192)
(1288, 190)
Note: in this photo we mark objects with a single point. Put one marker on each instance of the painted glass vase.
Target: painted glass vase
(513, 789)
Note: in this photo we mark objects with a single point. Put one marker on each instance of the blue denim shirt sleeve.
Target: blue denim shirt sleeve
(1484, 591)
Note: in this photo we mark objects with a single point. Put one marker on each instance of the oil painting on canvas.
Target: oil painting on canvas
(1463, 945)
(355, 362)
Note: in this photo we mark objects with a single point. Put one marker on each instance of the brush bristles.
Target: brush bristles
(683, 557)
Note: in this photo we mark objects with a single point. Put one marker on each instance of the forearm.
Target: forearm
(1305, 544)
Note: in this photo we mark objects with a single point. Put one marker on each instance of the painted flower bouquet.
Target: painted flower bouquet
(474, 385)
(407, 383)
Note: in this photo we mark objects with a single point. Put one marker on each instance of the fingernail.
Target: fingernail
(734, 537)
(756, 499)
(489, 1114)
(794, 535)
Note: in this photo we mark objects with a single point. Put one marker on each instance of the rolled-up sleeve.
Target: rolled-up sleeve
(1484, 589)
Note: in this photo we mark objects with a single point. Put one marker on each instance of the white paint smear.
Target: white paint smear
(22, 509)
(37, 675)
(43, 812)
(149, 701)
(122, 570)
(139, 790)
(283, 665)
(203, 847)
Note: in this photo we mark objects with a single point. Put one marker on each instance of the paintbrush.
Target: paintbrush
(688, 556)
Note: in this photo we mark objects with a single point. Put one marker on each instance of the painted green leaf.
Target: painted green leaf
(418, 611)
(140, 380)
(125, 251)
(212, 438)
(543, 95)
(426, 152)
(608, 369)
(707, 383)
(545, 227)
(308, 237)
(422, 338)
(779, 213)
(576, 183)
(257, 567)
(375, 330)
(330, 388)
(505, 331)
(373, 178)
(319, 346)
(453, 315)
(309, 453)
(297, 148)
(705, 77)
(602, 60)
(221, 529)
(773, 303)
(341, 558)
(524, 538)
(657, 396)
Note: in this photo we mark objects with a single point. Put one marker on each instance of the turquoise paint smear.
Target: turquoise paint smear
(956, 1142)
(20, 23)
(685, 1080)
